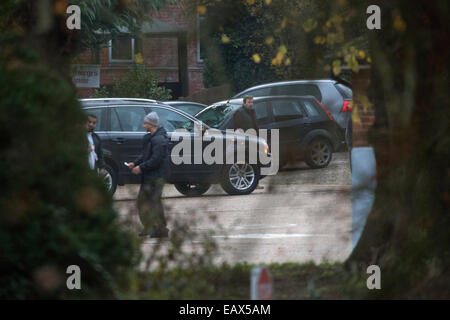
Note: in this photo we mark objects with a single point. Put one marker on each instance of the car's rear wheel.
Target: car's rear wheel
(192, 189)
(319, 153)
(110, 179)
(240, 178)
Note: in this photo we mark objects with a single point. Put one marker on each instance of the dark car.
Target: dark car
(333, 95)
(120, 129)
(307, 129)
(189, 107)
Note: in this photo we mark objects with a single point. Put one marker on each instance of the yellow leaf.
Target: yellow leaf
(269, 40)
(225, 38)
(282, 49)
(280, 56)
(355, 115)
(201, 10)
(336, 67)
(283, 23)
(138, 58)
(362, 54)
(287, 62)
(250, 2)
(268, 2)
(256, 58)
(399, 23)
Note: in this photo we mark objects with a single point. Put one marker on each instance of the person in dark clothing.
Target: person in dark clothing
(152, 165)
(95, 151)
(245, 118)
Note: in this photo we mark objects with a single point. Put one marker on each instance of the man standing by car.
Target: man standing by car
(152, 165)
(95, 153)
(245, 118)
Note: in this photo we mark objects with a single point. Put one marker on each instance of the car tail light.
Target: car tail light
(325, 109)
(347, 106)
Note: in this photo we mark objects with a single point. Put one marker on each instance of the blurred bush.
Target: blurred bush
(55, 211)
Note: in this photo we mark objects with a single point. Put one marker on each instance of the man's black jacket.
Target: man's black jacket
(244, 119)
(100, 163)
(153, 161)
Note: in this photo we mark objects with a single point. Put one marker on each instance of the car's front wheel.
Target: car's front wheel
(192, 189)
(319, 153)
(239, 179)
(110, 179)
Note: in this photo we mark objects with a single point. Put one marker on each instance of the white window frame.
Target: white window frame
(199, 59)
(121, 60)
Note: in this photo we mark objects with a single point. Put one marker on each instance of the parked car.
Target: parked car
(120, 129)
(189, 107)
(333, 95)
(307, 130)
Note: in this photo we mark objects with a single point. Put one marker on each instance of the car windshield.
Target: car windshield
(190, 109)
(214, 116)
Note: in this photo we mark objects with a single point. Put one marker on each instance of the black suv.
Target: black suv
(307, 130)
(333, 95)
(120, 129)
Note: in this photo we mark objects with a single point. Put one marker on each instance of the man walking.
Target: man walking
(152, 165)
(245, 118)
(95, 152)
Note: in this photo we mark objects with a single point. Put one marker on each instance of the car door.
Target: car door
(126, 134)
(290, 118)
(171, 121)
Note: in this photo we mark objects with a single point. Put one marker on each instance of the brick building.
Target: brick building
(169, 45)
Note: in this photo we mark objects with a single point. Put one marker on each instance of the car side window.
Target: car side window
(131, 118)
(262, 116)
(262, 92)
(115, 123)
(298, 90)
(284, 110)
(171, 120)
(98, 112)
(310, 109)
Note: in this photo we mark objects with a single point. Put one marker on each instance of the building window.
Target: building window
(201, 34)
(121, 49)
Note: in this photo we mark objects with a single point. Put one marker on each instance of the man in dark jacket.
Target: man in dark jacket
(95, 152)
(245, 118)
(152, 165)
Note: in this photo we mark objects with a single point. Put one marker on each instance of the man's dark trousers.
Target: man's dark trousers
(151, 210)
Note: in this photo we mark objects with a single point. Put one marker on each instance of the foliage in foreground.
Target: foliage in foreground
(55, 211)
(290, 281)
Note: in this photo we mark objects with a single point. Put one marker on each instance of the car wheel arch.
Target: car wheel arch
(318, 133)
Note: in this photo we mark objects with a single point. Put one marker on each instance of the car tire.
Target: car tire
(192, 189)
(239, 179)
(110, 179)
(319, 153)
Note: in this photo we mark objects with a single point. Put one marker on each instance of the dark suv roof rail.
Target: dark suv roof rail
(118, 99)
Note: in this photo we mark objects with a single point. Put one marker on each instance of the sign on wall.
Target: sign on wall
(86, 76)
